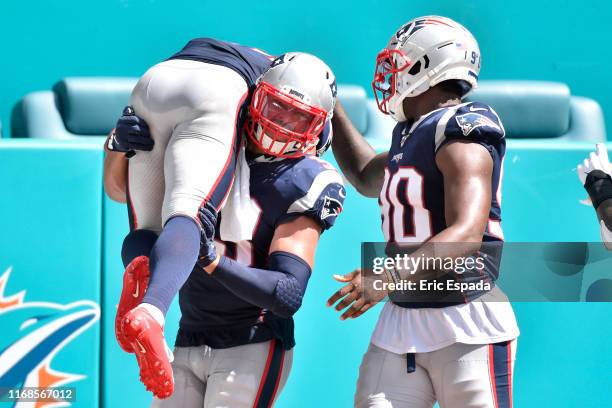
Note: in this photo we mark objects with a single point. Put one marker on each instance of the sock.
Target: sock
(159, 318)
(137, 243)
(154, 311)
(171, 261)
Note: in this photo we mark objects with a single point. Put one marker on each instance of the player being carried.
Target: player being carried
(235, 342)
(439, 183)
(193, 105)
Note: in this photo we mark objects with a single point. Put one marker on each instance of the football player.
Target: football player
(193, 105)
(235, 342)
(440, 182)
(594, 174)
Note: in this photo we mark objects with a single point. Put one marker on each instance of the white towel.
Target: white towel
(240, 214)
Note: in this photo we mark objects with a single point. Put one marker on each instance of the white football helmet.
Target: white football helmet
(291, 104)
(421, 54)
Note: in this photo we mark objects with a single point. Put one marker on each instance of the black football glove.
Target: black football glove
(208, 219)
(131, 133)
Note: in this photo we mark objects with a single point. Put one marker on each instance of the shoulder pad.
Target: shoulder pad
(322, 192)
(470, 121)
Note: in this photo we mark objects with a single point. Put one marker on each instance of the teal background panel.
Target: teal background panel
(50, 237)
(63, 239)
(120, 385)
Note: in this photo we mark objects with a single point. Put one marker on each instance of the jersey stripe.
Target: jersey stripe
(321, 181)
(441, 126)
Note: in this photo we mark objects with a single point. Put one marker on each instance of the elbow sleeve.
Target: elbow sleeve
(290, 289)
(280, 288)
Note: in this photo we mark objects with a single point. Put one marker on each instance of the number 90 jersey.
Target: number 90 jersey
(412, 196)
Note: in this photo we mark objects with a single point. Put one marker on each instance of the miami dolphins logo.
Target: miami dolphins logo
(32, 334)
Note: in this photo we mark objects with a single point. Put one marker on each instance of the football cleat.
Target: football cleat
(146, 338)
(135, 282)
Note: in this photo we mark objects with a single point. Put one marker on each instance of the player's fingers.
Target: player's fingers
(581, 174)
(364, 309)
(602, 152)
(348, 277)
(340, 293)
(595, 163)
(355, 307)
(348, 299)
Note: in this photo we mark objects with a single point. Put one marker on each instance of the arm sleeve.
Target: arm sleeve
(279, 289)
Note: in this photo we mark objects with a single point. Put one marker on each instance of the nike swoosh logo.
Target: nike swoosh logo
(135, 294)
(472, 109)
(142, 349)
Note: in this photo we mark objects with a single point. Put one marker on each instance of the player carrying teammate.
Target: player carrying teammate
(440, 182)
(194, 105)
(234, 346)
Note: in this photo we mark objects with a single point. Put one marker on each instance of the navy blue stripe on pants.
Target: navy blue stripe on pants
(500, 366)
(271, 375)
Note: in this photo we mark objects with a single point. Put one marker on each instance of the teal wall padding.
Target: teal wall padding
(50, 240)
(62, 239)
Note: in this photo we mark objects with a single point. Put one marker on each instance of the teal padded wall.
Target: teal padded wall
(50, 242)
(62, 240)
(45, 41)
(120, 386)
(328, 351)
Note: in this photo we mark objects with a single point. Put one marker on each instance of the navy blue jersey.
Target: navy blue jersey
(249, 62)
(412, 197)
(283, 189)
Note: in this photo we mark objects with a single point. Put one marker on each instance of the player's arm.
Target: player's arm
(131, 134)
(281, 287)
(467, 168)
(115, 173)
(363, 168)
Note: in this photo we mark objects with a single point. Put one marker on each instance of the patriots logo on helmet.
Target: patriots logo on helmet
(331, 207)
(279, 60)
(334, 88)
(470, 121)
(415, 26)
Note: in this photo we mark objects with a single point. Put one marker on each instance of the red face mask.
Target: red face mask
(282, 125)
(388, 64)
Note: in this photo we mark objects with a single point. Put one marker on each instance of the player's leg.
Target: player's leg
(203, 102)
(384, 382)
(474, 376)
(199, 167)
(189, 384)
(145, 193)
(250, 376)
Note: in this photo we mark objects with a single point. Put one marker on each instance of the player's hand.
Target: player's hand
(597, 160)
(130, 134)
(357, 295)
(208, 253)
